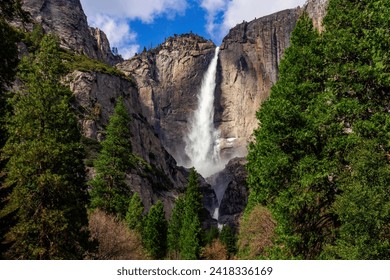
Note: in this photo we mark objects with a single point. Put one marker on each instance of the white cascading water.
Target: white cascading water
(202, 141)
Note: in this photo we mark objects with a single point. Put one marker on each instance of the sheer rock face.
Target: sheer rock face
(95, 97)
(249, 59)
(66, 19)
(231, 190)
(169, 78)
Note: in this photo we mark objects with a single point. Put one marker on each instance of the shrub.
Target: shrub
(256, 233)
(116, 241)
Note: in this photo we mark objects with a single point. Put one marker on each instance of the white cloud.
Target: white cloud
(113, 16)
(129, 50)
(213, 8)
(118, 33)
(145, 10)
(235, 11)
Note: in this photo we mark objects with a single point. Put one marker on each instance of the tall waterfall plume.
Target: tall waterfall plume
(202, 141)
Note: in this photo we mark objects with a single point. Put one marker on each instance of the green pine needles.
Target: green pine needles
(184, 231)
(109, 191)
(155, 231)
(320, 161)
(45, 172)
(134, 214)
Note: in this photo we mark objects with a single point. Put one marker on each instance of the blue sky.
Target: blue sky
(132, 24)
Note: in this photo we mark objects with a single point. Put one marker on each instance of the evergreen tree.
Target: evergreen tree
(109, 191)
(184, 231)
(155, 232)
(190, 236)
(211, 235)
(193, 197)
(357, 51)
(8, 65)
(190, 233)
(8, 62)
(134, 213)
(174, 228)
(44, 168)
(229, 240)
(320, 159)
(286, 171)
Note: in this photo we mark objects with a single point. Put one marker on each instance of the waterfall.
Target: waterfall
(202, 145)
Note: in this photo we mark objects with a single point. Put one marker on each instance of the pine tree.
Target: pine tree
(134, 213)
(45, 169)
(184, 230)
(190, 236)
(357, 51)
(8, 64)
(285, 168)
(193, 197)
(229, 240)
(8, 61)
(190, 233)
(109, 191)
(155, 232)
(320, 159)
(174, 228)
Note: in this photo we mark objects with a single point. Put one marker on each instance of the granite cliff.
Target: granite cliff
(249, 59)
(168, 79)
(156, 176)
(170, 75)
(66, 19)
(161, 89)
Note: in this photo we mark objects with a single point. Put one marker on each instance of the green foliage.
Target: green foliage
(45, 173)
(184, 231)
(211, 235)
(155, 232)
(85, 64)
(109, 191)
(193, 197)
(33, 39)
(191, 231)
(229, 239)
(134, 213)
(363, 209)
(8, 65)
(12, 9)
(190, 236)
(320, 159)
(174, 228)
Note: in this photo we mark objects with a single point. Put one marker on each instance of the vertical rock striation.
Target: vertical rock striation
(168, 79)
(66, 19)
(249, 59)
(95, 97)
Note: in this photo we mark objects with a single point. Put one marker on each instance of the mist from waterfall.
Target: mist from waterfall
(202, 145)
